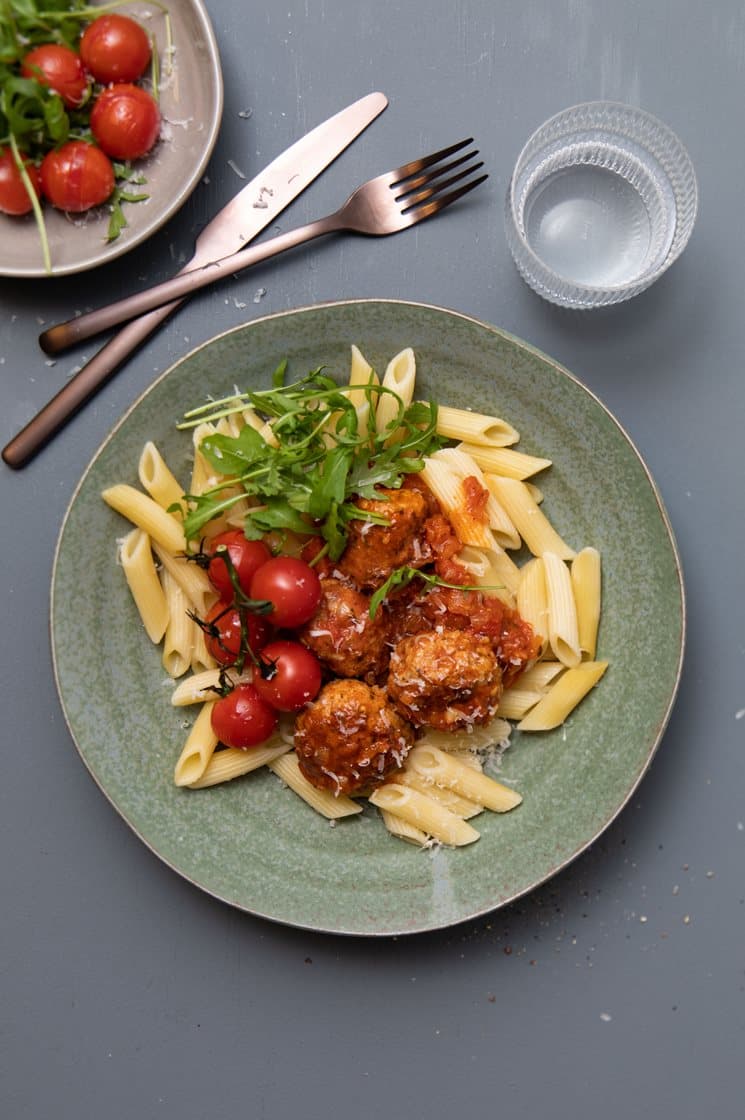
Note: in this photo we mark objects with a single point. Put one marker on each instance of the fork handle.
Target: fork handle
(81, 387)
(59, 337)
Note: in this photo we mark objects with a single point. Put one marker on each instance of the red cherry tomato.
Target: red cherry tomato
(288, 677)
(76, 176)
(242, 719)
(225, 646)
(292, 586)
(60, 69)
(125, 121)
(14, 198)
(247, 558)
(115, 48)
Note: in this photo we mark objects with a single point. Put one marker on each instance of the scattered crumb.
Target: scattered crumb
(259, 295)
(234, 167)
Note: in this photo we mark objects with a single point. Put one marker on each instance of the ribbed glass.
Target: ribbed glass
(602, 200)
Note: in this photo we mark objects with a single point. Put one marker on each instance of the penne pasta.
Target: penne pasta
(156, 477)
(136, 558)
(198, 687)
(444, 770)
(475, 427)
(461, 806)
(504, 460)
(532, 599)
(197, 750)
(529, 520)
(178, 641)
(403, 830)
(586, 585)
(147, 515)
(425, 814)
(229, 763)
(400, 376)
(463, 467)
(330, 805)
(192, 579)
(492, 570)
(563, 632)
(563, 697)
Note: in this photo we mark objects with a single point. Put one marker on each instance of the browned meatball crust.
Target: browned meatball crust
(342, 634)
(445, 680)
(374, 550)
(350, 739)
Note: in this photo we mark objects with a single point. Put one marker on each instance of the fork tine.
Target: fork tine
(427, 161)
(428, 176)
(411, 200)
(419, 212)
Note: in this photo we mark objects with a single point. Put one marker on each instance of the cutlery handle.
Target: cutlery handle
(80, 388)
(75, 330)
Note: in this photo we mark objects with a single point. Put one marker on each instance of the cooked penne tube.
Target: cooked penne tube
(444, 770)
(400, 376)
(197, 750)
(361, 374)
(447, 487)
(516, 702)
(475, 738)
(136, 558)
(492, 570)
(403, 830)
(586, 585)
(528, 518)
(157, 478)
(563, 697)
(201, 659)
(202, 474)
(475, 427)
(178, 641)
(198, 687)
(229, 763)
(461, 806)
(532, 599)
(147, 515)
(504, 460)
(192, 579)
(563, 632)
(463, 467)
(541, 675)
(422, 812)
(325, 802)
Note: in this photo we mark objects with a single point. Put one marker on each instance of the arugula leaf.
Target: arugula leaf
(402, 577)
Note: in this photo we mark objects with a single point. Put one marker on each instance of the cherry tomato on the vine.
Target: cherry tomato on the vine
(242, 719)
(60, 69)
(247, 557)
(293, 588)
(14, 197)
(115, 48)
(76, 176)
(225, 646)
(288, 676)
(125, 120)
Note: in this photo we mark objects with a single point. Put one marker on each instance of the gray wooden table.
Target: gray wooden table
(615, 990)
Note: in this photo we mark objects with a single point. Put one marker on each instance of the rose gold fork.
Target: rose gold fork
(389, 203)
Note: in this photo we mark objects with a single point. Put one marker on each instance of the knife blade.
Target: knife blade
(244, 216)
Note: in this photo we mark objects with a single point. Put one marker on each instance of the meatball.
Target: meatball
(350, 739)
(447, 679)
(374, 550)
(342, 634)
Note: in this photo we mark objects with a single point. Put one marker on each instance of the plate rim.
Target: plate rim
(480, 911)
(181, 196)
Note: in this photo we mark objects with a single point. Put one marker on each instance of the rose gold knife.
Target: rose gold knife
(246, 215)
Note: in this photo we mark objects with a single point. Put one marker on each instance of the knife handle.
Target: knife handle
(81, 387)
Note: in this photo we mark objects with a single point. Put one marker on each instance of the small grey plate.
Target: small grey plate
(252, 842)
(191, 104)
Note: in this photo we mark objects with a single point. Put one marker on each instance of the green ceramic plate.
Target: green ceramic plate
(252, 843)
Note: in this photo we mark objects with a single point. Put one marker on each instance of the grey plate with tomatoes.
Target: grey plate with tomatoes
(191, 102)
